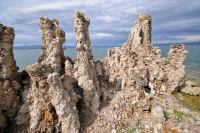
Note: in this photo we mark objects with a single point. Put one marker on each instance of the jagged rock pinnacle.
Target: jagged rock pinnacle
(53, 38)
(85, 64)
(141, 32)
(9, 77)
(132, 86)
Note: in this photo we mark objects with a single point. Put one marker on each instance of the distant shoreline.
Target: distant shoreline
(39, 46)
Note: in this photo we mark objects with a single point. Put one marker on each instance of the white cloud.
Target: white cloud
(103, 34)
(188, 38)
(70, 36)
(135, 10)
(61, 5)
(24, 37)
(111, 21)
(166, 42)
(181, 23)
(32, 22)
(107, 19)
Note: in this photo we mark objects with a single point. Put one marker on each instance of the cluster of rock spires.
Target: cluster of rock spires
(131, 87)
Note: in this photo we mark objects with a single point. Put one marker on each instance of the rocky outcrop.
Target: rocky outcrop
(143, 75)
(141, 31)
(51, 108)
(85, 71)
(9, 77)
(137, 64)
(175, 68)
(128, 91)
(53, 38)
(191, 88)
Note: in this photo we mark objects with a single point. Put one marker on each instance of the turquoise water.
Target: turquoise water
(192, 62)
(24, 57)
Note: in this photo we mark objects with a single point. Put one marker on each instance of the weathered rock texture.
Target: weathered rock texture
(85, 65)
(143, 74)
(52, 40)
(52, 109)
(141, 32)
(191, 88)
(128, 91)
(9, 77)
(137, 64)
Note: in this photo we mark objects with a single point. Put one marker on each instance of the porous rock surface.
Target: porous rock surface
(191, 88)
(128, 91)
(139, 65)
(52, 39)
(84, 66)
(9, 77)
(51, 108)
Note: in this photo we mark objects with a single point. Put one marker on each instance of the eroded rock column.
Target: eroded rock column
(85, 65)
(141, 31)
(175, 68)
(9, 78)
(53, 38)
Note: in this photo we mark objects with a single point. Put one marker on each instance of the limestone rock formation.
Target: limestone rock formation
(139, 65)
(9, 77)
(128, 91)
(85, 71)
(143, 75)
(53, 38)
(175, 68)
(64, 105)
(52, 109)
(191, 88)
(141, 32)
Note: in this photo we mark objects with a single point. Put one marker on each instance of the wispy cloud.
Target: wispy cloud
(188, 38)
(111, 21)
(62, 5)
(104, 35)
(24, 37)
(107, 19)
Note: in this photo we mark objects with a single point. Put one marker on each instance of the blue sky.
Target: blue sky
(174, 21)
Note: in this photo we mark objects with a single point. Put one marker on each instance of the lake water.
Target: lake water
(192, 61)
(24, 57)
